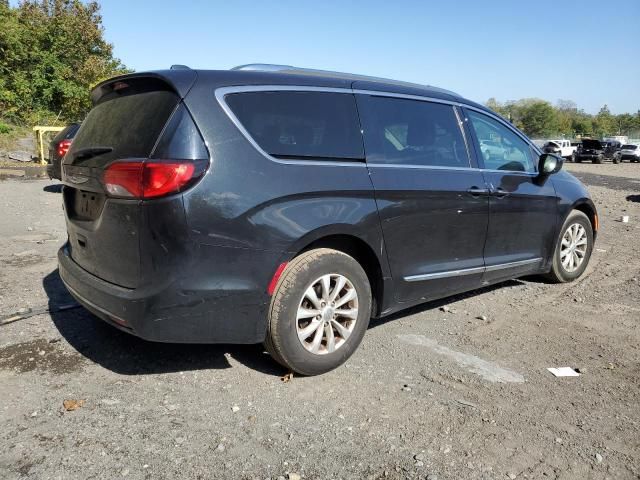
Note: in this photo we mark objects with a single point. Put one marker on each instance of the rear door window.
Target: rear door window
(411, 132)
(291, 124)
(128, 120)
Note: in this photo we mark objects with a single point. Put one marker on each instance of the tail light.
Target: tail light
(63, 147)
(151, 178)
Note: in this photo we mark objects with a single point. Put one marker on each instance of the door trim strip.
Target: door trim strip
(471, 271)
(504, 266)
(450, 273)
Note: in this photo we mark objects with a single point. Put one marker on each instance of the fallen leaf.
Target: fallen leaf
(71, 405)
(287, 377)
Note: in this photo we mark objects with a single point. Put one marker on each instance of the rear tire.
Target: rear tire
(573, 249)
(317, 281)
(598, 159)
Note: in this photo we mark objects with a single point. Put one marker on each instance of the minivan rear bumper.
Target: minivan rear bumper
(171, 311)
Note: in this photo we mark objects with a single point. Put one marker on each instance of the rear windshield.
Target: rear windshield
(127, 120)
(68, 133)
(629, 147)
(318, 125)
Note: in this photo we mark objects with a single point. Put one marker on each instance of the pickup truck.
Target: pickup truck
(560, 147)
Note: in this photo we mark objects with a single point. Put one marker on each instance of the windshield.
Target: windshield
(125, 123)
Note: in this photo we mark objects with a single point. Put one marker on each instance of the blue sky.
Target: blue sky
(585, 51)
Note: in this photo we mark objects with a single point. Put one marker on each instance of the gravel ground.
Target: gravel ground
(435, 392)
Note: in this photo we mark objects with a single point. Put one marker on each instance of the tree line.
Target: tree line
(52, 53)
(540, 119)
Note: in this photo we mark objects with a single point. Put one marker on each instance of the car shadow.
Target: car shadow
(57, 188)
(633, 198)
(126, 354)
(435, 304)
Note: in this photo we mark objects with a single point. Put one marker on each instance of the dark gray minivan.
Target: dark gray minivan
(289, 206)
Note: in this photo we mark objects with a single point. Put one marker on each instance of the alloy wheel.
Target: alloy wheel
(574, 247)
(327, 314)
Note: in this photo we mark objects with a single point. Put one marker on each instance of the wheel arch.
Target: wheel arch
(587, 207)
(373, 263)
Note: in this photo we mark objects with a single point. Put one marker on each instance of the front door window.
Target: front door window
(501, 148)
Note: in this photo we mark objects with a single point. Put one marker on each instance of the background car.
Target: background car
(590, 149)
(491, 150)
(58, 149)
(611, 147)
(629, 152)
(564, 148)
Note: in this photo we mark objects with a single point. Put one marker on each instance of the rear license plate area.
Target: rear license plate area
(83, 205)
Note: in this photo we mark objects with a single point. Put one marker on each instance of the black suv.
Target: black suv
(288, 206)
(58, 148)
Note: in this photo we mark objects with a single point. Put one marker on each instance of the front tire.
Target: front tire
(573, 249)
(598, 159)
(320, 311)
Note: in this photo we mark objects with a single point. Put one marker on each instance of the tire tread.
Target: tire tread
(287, 281)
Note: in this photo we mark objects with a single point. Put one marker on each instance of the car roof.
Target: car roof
(183, 79)
(255, 74)
(287, 69)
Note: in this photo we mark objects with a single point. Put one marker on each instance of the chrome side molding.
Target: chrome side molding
(471, 271)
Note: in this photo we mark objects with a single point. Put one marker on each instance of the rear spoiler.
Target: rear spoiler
(179, 80)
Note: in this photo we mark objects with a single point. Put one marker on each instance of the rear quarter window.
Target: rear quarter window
(315, 125)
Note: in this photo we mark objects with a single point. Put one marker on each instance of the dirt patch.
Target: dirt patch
(22, 259)
(430, 407)
(39, 355)
(23, 171)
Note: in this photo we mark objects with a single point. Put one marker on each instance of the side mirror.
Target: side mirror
(549, 164)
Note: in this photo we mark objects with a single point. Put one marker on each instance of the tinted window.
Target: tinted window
(629, 147)
(501, 148)
(66, 134)
(411, 132)
(129, 120)
(181, 139)
(301, 124)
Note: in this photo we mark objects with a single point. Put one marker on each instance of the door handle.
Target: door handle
(478, 192)
(500, 193)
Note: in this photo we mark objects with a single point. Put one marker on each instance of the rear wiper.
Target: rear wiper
(89, 152)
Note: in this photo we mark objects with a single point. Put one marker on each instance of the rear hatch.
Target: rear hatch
(592, 146)
(133, 121)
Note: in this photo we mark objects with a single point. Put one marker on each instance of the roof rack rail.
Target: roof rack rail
(265, 67)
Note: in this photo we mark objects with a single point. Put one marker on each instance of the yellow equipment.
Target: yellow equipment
(40, 131)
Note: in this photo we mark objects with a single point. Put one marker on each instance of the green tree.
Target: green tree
(537, 118)
(52, 52)
(604, 123)
(581, 125)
